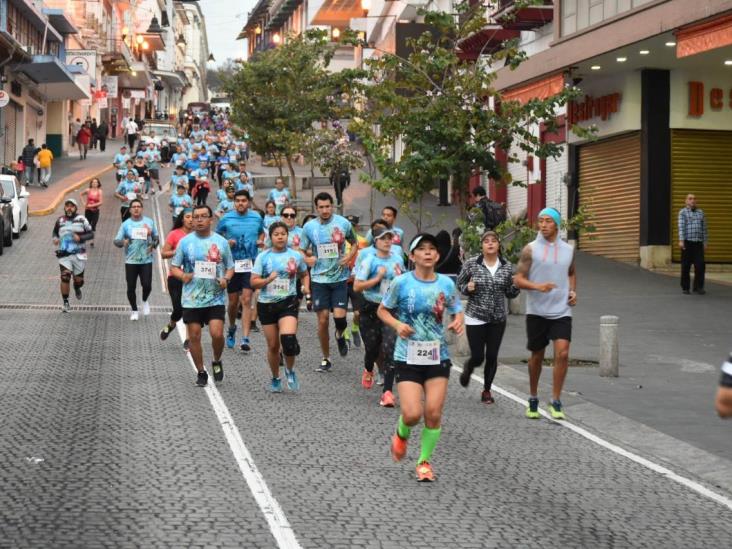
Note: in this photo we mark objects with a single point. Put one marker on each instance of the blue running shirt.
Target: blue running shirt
(213, 256)
(245, 230)
(280, 198)
(287, 264)
(368, 268)
(143, 237)
(328, 243)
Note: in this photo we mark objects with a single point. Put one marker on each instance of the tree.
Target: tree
(442, 109)
(216, 78)
(280, 93)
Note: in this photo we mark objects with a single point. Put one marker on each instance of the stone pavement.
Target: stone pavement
(107, 443)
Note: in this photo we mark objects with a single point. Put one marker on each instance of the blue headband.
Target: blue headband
(554, 214)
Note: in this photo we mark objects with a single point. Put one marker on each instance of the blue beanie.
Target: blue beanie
(554, 214)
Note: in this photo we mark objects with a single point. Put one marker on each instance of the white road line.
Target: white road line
(276, 519)
(691, 484)
(161, 235)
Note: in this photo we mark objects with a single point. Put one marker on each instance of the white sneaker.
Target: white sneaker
(145, 308)
(135, 316)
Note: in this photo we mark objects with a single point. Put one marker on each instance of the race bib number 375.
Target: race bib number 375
(328, 251)
(423, 353)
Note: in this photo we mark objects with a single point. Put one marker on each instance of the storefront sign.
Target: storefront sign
(84, 58)
(137, 94)
(591, 108)
(697, 96)
(111, 83)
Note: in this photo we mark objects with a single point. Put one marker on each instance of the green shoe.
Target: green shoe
(532, 411)
(555, 409)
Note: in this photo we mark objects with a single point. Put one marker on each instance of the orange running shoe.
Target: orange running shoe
(387, 399)
(424, 472)
(398, 447)
(367, 379)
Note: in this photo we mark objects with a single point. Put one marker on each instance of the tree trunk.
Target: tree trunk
(278, 160)
(293, 181)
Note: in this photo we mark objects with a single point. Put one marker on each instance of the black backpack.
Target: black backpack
(493, 214)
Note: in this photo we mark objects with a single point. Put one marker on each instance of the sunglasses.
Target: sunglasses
(289, 216)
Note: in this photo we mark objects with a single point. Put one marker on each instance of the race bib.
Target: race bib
(82, 257)
(423, 353)
(138, 233)
(205, 270)
(279, 287)
(177, 211)
(131, 196)
(243, 266)
(328, 251)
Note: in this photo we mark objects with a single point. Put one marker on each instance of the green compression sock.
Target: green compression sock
(403, 430)
(429, 441)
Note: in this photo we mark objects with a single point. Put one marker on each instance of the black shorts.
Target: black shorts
(329, 295)
(355, 297)
(540, 331)
(239, 282)
(204, 315)
(420, 374)
(154, 174)
(271, 313)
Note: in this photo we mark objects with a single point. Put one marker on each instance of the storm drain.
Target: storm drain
(79, 308)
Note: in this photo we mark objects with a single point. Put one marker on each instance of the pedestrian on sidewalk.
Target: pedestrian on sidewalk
(45, 159)
(102, 133)
(74, 128)
(29, 156)
(487, 280)
(493, 212)
(131, 130)
(93, 200)
(83, 139)
(693, 237)
(546, 269)
(93, 127)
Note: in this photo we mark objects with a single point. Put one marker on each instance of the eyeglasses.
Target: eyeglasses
(201, 217)
(289, 216)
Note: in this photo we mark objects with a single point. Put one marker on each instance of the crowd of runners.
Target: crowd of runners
(236, 264)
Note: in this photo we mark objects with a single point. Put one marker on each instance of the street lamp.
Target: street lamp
(258, 30)
(140, 39)
(276, 38)
(366, 5)
(336, 33)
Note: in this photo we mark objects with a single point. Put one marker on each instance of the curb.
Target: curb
(71, 188)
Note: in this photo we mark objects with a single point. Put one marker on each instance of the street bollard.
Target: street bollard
(609, 346)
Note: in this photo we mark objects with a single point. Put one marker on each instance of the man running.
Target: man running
(244, 231)
(389, 215)
(324, 242)
(139, 237)
(203, 262)
(70, 233)
(546, 269)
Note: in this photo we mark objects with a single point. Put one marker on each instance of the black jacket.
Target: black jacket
(488, 301)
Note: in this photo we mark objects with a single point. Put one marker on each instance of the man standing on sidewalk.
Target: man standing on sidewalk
(692, 241)
(29, 155)
(45, 158)
(546, 269)
(131, 129)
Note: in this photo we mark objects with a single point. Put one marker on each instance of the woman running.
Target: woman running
(487, 280)
(414, 306)
(182, 226)
(374, 274)
(275, 272)
(270, 214)
(93, 200)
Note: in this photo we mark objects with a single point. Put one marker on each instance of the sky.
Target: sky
(224, 21)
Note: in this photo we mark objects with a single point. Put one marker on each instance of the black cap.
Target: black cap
(353, 219)
(422, 237)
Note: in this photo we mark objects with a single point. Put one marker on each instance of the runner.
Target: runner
(279, 195)
(182, 227)
(270, 214)
(143, 175)
(373, 277)
(324, 240)
(353, 333)
(70, 232)
(139, 237)
(226, 204)
(546, 269)
(152, 159)
(244, 230)
(180, 200)
(275, 273)
(93, 199)
(120, 162)
(204, 264)
(487, 280)
(389, 215)
(419, 299)
(129, 189)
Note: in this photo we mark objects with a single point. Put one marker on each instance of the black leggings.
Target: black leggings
(484, 341)
(201, 197)
(92, 216)
(132, 271)
(175, 289)
(377, 339)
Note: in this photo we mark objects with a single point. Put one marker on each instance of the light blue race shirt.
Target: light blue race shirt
(287, 264)
(208, 258)
(143, 237)
(328, 244)
(280, 198)
(369, 267)
(244, 229)
(294, 238)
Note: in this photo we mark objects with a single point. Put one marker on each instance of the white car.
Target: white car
(19, 200)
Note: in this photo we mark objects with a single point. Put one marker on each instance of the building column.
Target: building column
(655, 191)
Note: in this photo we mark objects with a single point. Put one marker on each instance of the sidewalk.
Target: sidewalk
(69, 173)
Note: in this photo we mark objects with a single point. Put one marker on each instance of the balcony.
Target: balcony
(487, 40)
(512, 17)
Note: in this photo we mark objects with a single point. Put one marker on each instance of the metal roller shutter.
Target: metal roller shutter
(609, 187)
(701, 163)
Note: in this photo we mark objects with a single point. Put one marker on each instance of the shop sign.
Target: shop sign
(111, 83)
(592, 107)
(4, 98)
(696, 99)
(87, 59)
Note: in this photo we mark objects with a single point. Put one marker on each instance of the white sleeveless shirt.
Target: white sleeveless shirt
(550, 262)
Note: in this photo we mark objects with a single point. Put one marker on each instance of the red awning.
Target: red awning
(486, 40)
(538, 89)
(702, 37)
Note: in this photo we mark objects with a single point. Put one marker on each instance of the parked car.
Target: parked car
(6, 221)
(157, 130)
(18, 195)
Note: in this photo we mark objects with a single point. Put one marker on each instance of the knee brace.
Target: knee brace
(290, 346)
(65, 276)
(79, 280)
(341, 324)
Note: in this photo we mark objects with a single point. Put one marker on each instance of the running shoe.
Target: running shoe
(555, 409)
(145, 308)
(487, 397)
(202, 379)
(379, 378)
(424, 472)
(66, 307)
(293, 384)
(77, 293)
(165, 332)
(532, 411)
(253, 326)
(398, 447)
(276, 385)
(387, 399)
(465, 375)
(367, 379)
(356, 337)
(231, 337)
(218, 370)
(187, 345)
(342, 345)
(244, 345)
(325, 366)
(135, 315)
